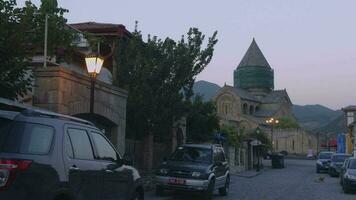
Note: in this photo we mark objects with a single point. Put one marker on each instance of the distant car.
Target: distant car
(284, 153)
(323, 161)
(348, 175)
(195, 167)
(337, 160)
(48, 156)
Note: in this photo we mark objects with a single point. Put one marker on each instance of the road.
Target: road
(298, 181)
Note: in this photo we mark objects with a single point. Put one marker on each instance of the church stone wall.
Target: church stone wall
(294, 141)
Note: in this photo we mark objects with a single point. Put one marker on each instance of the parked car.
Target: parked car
(336, 162)
(195, 167)
(47, 156)
(284, 153)
(348, 175)
(323, 161)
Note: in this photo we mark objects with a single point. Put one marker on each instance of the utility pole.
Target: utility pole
(317, 142)
(45, 42)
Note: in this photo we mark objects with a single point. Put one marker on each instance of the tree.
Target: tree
(234, 136)
(202, 120)
(287, 123)
(22, 36)
(14, 78)
(159, 75)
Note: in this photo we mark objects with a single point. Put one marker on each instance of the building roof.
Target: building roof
(349, 108)
(277, 96)
(243, 94)
(265, 113)
(102, 29)
(254, 57)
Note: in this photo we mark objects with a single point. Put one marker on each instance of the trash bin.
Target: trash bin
(277, 161)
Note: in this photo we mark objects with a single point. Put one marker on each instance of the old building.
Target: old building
(64, 86)
(350, 114)
(253, 99)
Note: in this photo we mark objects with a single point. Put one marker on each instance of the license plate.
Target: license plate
(176, 181)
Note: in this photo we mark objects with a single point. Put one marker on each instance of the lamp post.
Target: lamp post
(94, 64)
(272, 122)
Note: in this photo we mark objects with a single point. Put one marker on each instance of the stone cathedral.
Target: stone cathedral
(252, 99)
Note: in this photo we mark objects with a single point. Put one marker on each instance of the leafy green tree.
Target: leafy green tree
(287, 123)
(202, 120)
(14, 77)
(22, 36)
(159, 75)
(261, 136)
(234, 136)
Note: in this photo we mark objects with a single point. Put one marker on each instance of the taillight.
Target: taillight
(9, 168)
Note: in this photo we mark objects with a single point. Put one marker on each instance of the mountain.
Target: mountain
(205, 89)
(336, 126)
(316, 117)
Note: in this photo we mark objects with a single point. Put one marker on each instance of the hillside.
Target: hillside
(205, 89)
(314, 117)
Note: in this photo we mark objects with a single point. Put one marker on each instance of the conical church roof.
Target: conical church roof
(254, 57)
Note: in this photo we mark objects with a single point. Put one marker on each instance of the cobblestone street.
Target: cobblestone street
(298, 181)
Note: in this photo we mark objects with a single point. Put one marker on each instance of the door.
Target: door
(221, 167)
(82, 169)
(117, 178)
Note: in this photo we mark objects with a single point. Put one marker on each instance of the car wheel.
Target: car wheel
(208, 194)
(159, 191)
(346, 190)
(225, 190)
(317, 170)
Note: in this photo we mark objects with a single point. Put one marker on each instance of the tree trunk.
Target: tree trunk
(148, 152)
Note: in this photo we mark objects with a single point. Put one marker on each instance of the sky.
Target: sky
(310, 44)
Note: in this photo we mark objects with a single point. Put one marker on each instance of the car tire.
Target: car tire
(208, 194)
(317, 171)
(137, 196)
(159, 191)
(345, 189)
(225, 190)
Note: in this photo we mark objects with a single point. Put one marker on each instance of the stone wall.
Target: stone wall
(64, 91)
(294, 141)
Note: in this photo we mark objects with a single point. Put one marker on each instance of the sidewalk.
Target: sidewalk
(249, 174)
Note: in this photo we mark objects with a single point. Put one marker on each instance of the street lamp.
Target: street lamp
(94, 64)
(272, 122)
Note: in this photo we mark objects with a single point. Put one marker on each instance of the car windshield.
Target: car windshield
(192, 154)
(352, 164)
(339, 158)
(325, 155)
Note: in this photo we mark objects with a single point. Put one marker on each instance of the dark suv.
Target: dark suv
(47, 156)
(323, 161)
(195, 167)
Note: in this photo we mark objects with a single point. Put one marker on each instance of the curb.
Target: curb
(249, 176)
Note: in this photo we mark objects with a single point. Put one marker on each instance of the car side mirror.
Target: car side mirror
(218, 163)
(127, 159)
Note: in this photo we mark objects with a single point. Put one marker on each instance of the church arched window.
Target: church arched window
(245, 108)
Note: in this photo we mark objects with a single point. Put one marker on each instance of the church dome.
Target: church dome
(254, 73)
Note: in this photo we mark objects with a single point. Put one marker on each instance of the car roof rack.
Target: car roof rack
(43, 113)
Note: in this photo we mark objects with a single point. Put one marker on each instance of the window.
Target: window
(68, 146)
(81, 144)
(192, 154)
(219, 155)
(38, 139)
(104, 149)
(28, 138)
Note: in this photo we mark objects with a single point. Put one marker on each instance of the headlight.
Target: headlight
(163, 171)
(319, 162)
(350, 176)
(196, 174)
